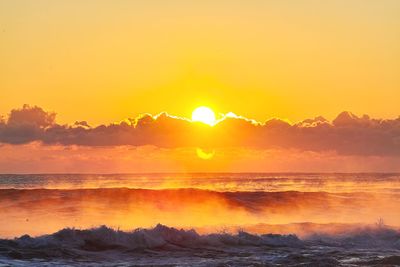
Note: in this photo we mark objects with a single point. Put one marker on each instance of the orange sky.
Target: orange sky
(106, 62)
(103, 61)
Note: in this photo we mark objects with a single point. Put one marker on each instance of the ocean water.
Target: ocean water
(223, 219)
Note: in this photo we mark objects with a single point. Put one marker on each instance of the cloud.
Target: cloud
(347, 134)
(32, 116)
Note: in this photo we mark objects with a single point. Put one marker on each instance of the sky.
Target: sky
(103, 62)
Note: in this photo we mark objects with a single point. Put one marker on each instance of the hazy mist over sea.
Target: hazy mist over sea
(242, 214)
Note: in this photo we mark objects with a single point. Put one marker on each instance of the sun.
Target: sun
(204, 115)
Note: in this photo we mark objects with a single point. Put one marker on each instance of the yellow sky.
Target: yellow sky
(102, 61)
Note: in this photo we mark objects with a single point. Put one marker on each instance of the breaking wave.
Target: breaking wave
(106, 244)
(241, 228)
(40, 211)
(159, 237)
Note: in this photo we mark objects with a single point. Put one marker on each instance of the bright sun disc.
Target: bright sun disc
(204, 115)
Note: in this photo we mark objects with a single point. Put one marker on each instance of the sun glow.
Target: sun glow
(204, 115)
(204, 154)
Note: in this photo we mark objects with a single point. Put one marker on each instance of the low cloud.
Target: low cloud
(347, 134)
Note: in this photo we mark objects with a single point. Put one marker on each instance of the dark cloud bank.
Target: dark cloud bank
(347, 134)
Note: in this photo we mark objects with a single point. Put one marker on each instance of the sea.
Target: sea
(200, 219)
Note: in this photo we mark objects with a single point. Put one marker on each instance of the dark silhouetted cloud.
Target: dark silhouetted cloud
(347, 134)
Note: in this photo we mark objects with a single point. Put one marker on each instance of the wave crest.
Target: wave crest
(169, 238)
(160, 237)
(164, 245)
